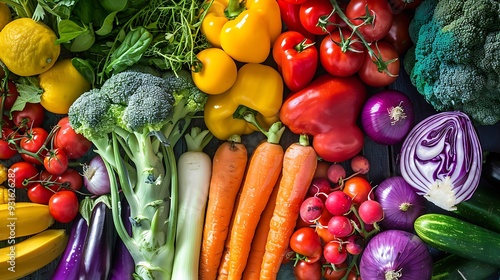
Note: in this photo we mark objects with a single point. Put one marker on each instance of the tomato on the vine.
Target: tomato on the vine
(10, 96)
(400, 5)
(358, 188)
(31, 115)
(7, 150)
(21, 173)
(382, 69)
(314, 11)
(373, 16)
(331, 273)
(399, 34)
(63, 206)
(56, 161)
(305, 241)
(33, 141)
(70, 178)
(307, 271)
(38, 193)
(341, 54)
(73, 144)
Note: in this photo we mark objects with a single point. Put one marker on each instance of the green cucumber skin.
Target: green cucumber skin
(482, 209)
(454, 267)
(458, 237)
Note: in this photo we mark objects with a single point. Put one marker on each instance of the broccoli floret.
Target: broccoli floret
(455, 61)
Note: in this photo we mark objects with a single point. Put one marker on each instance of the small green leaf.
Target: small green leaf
(69, 30)
(130, 51)
(107, 25)
(86, 206)
(85, 68)
(29, 92)
(106, 199)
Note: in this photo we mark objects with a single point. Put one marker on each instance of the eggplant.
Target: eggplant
(491, 168)
(69, 263)
(98, 247)
(123, 265)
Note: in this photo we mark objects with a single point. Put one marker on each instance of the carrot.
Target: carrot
(299, 166)
(252, 269)
(261, 176)
(229, 165)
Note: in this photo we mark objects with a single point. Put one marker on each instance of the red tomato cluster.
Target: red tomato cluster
(356, 37)
(43, 168)
(337, 218)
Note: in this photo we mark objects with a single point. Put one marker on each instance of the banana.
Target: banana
(28, 256)
(23, 219)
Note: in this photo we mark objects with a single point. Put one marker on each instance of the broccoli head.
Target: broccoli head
(455, 60)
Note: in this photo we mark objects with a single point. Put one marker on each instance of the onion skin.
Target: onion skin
(398, 253)
(96, 177)
(387, 117)
(442, 159)
(401, 204)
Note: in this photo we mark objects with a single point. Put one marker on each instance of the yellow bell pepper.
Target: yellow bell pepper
(246, 30)
(258, 87)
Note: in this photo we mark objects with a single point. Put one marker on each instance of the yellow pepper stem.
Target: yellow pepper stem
(234, 8)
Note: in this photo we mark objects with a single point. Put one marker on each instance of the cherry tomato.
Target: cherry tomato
(72, 143)
(379, 17)
(371, 72)
(20, 173)
(358, 188)
(40, 194)
(289, 255)
(340, 54)
(7, 150)
(305, 241)
(312, 11)
(307, 271)
(329, 273)
(399, 34)
(63, 206)
(290, 15)
(334, 252)
(56, 161)
(33, 141)
(7, 122)
(10, 96)
(71, 178)
(30, 116)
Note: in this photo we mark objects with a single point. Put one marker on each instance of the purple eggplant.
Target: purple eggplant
(98, 247)
(123, 265)
(69, 263)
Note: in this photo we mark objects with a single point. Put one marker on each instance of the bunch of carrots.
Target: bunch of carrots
(253, 205)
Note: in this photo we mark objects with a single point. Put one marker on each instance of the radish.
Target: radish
(311, 209)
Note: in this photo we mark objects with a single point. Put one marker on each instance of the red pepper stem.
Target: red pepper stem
(234, 8)
(300, 47)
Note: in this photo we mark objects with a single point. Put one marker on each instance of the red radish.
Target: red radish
(370, 211)
(340, 226)
(355, 244)
(319, 185)
(334, 252)
(360, 164)
(336, 173)
(311, 209)
(338, 202)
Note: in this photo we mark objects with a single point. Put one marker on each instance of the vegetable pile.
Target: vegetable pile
(174, 139)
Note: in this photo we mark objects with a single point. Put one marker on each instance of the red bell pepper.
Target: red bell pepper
(297, 59)
(327, 109)
(290, 15)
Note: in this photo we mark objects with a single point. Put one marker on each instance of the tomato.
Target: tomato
(70, 178)
(290, 15)
(340, 55)
(30, 116)
(33, 141)
(312, 11)
(334, 252)
(56, 161)
(400, 5)
(20, 173)
(378, 19)
(40, 194)
(63, 206)
(329, 273)
(399, 34)
(7, 150)
(73, 144)
(10, 96)
(307, 271)
(358, 188)
(321, 169)
(289, 255)
(382, 69)
(305, 241)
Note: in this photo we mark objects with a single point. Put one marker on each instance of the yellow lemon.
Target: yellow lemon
(62, 85)
(218, 72)
(28, 47)
(5, 15)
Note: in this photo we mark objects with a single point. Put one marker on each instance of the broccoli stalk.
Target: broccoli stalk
(134, 121)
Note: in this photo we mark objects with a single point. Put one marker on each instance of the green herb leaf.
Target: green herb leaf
(86, 206)
(69, 30)
(85, 68)
(29, 92)
(107, 25)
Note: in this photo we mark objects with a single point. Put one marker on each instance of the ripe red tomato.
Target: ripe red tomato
(399, 34)
(20, 173)
(56, 161)
(372, 73)
(7, 150)
(32, 141)
(340, 55)
(72, 143)
(335, 274)
(312, 11)
(63, 206)
(379, 17)
(40, 194)
(10, 96)
(358, 188)
(71, 178)
(307, 271)
(305, 241)
(30, 116)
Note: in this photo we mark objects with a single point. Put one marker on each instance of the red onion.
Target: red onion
(401, 204)
(396, 254)
(387, 117)
(95, 176)
(442, 158)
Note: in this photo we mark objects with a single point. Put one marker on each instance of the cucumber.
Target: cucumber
(454, 267)
(459, 237)
(482, 209)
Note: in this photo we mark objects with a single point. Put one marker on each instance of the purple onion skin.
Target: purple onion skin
(99, 182)
(401, 203)
(396, 251)
(377, 122)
